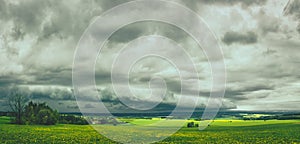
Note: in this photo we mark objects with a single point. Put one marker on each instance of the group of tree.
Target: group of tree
(30, 113)
(40, 113)
(72, 119)
(35, 113)
(275, 117)
(25, 112)
(192, 124)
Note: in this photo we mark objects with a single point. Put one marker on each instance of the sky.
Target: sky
(260, 40)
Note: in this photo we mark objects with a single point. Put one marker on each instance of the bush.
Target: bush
(72, 119)
(40, 113)
(191, 124)
(46, 117)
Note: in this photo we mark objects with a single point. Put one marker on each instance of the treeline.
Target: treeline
(41, 114)
(275, 117)
(72, 119)
(289, 117)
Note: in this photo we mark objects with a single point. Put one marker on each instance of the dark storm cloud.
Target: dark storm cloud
(135, 30)
(127, 34)
(111, 101)
(7, 80)
(4, 91)
(102, 77)
(239, 93)
(57, 76)
(235, 37)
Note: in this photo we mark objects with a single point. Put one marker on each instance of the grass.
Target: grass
(220, 131)
(4, 120)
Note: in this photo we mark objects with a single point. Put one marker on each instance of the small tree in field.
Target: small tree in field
(190, 124)
(17, 100)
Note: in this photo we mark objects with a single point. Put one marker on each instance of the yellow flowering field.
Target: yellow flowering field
(220, 131)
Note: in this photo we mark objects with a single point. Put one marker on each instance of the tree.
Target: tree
(40, 113)
(191, 124)
(17, 99)
(46, 117)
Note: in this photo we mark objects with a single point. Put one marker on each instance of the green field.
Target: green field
(220, 131)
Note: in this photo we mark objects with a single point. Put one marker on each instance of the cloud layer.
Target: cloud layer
(260, 40)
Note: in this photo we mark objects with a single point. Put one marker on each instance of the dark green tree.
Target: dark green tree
(191, 124)
(46, 117)
(40, 113)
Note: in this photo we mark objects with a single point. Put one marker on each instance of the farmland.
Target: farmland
(220, 131)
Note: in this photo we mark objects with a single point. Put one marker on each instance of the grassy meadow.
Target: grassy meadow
(220, 131)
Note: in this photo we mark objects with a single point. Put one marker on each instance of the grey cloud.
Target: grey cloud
(31, 16)
(42, 93)
(108, 4)
(17, 33)
(240, 93)
(235, 37)
(231, 2)
(174, 85)
(26, 14)
(111, 101)
(60, 24)
(268, 23)
(54, 27)
(102, 77)
(293, 8)
(135, 30)
(53, 94)
(52, 76)
(57, 76)
(73, 107)
(7, 80)
(194, 5)
(88, 106)
(107, 95)
(126, 34)
(269, 52)
(38, 39)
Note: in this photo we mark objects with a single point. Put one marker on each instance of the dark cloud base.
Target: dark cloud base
(235, 37)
